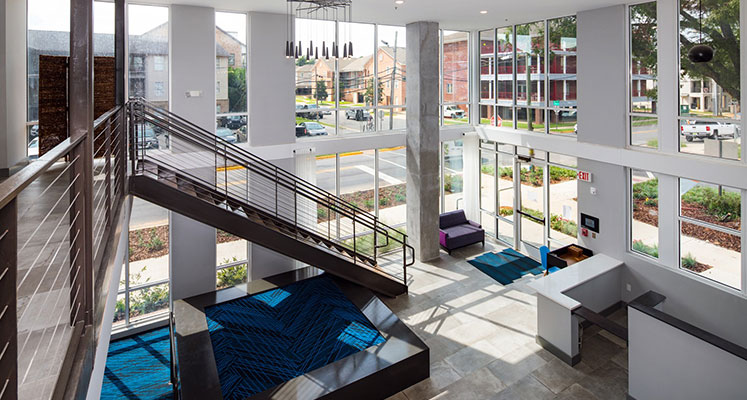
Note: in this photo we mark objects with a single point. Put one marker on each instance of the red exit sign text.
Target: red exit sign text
(584, 176)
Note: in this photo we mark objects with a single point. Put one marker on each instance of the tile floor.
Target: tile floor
(482, 339)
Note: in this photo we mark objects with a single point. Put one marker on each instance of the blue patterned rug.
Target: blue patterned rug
(137, 367)
(263, 340)
(506, 266)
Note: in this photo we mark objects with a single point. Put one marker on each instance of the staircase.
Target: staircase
(208, 179)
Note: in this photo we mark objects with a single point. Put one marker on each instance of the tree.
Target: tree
(368, 96)
(301, 61)
(321, 91)
(237, 89)
(720, 31)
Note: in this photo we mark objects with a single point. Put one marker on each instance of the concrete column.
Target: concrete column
(192, 65)
(422, 139)
(12, 84)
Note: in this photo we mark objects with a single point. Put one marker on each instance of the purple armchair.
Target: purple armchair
(456, 231)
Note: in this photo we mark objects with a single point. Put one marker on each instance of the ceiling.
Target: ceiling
(451, 14)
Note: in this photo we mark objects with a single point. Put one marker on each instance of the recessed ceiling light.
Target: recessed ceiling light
(483, 12)
(399, 1)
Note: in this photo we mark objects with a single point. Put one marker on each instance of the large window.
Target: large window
(143, 294)
(643, 84)
(644, 224)
(362, 93)
(149, 53)
(230, 75)
(455, 77)
(710, 106)
(519, 87)
(711, 231)
(452, 173)
(48, 33)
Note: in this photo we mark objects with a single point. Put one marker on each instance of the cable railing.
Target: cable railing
(46, 271)
(238, 176)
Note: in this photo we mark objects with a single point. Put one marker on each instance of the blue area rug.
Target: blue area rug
(263, 340)
(506, 266)
(137, 367)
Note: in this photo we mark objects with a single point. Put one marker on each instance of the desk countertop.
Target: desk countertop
(555, 285)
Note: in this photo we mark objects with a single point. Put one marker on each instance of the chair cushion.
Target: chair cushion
(462, 235)
(452, 218)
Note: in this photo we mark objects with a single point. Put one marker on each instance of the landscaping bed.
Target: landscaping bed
(154, 242)
(389, 196)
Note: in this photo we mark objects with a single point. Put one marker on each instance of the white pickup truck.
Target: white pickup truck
(708, 130)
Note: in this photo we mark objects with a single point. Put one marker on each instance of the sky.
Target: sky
(54, 15)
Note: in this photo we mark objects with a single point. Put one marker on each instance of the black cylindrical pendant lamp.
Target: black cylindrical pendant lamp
(350, 49)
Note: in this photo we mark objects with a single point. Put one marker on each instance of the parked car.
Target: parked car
(453, 112)
(310, 129)
(309, 111)
(34, 132)
(147, 138)
(358, 115)
(226, 134)
(34, 148)
(707, 129)
(234, 122)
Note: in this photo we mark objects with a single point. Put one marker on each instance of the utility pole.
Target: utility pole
(391, 82)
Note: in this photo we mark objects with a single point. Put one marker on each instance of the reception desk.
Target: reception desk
(594, 283)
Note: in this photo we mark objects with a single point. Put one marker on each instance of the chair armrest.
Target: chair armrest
(443, 235)
(475, 224)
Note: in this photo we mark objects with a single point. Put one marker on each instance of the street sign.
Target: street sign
(499, 120)
(584, 176)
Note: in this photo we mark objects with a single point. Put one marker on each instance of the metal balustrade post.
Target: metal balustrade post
(225, 170)
(295, 208)
(8, 321)
(376, 238)
(108, 171)
(276, 192)
(355, 241)
(80, 117)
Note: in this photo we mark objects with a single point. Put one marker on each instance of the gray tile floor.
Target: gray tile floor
(482, 339)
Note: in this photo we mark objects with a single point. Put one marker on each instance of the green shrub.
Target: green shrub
(369, 203)
(689, 261)
(488, 170)
(400, 198)
(119, 310)
(155, 243)
(505, 211)
(651, 202)
(365, 244)
(535, 213)
(506, 172)
(560, 174)
(652, 250)
(232, 276)
(646, 190)
(383, 202)
(321, 213)
(558, 224)
(453, 183)
(726, 207)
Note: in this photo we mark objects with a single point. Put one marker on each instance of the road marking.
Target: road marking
(388, 178)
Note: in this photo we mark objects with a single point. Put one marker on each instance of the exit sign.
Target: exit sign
(584, 176)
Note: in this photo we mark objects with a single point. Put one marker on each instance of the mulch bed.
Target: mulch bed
(649, 215)
(144, 243)
(699, 267)
(389, 196)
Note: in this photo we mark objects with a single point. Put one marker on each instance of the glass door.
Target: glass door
(505, 197)
(531, 203)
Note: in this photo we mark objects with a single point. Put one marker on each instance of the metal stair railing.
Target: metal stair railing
(268, 188)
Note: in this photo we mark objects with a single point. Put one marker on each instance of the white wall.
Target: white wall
(271, 81)
(12, 84)
(192, 251)
(192, 66)
(666, 363)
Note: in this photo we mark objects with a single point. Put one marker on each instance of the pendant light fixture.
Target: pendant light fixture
(327, 10)
(700, 53)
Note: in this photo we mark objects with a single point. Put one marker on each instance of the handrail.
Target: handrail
(12, 186)
(646, 303)
(292, 177)
(232, 155)
(105, 116)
